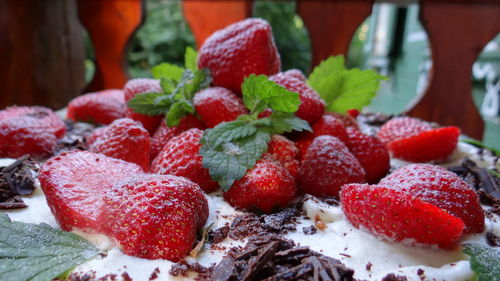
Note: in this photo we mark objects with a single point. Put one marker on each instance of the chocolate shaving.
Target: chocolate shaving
(16, 179)
(492, 239)
(75, 137)
(394, 277)
(183, 267)
(309, 230)
(217, 235)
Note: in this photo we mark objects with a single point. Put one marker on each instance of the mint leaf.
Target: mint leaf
(150, 103)
(481, 145)
(39, 252)
(177, 111)
(167, 85)
(484, 261)
(190, 59)
(229, 162)
(260, 93)
(200, 80)
(228, 132)
(343, 89)
(167, 70)
(287, 122)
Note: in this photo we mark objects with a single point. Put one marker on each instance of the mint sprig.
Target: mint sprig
(178, 84)
(232, 148)
(484, 261)
(341, 88)
(39, 252)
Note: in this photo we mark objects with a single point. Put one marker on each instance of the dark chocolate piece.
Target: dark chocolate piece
(394, 277)
(16, 179)
(309, 230)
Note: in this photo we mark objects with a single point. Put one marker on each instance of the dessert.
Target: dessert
(145, 224)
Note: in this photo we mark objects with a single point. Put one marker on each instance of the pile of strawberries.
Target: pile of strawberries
(142, 182)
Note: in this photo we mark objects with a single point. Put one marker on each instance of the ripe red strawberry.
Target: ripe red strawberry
(311, 105)
(427, 146)
(216, 105)
(32, 130)
(442, 188)
(328, 165)
(347, 120)
(74, 182)
(164, 133)
(285, 151)
(100, 107)
(156, 216)
(295, 73)
(97, 133)
(181, 157)
(265, 187)
(397, 216)
(326, 125)
(123, 139)
(402, 127)
(139, 86)
(371, 154)
(239, 50)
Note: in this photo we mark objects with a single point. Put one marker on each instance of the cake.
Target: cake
(300, 237)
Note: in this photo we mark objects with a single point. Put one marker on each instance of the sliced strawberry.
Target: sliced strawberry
(311, 105)
(123, 139)
(402, 127)
(327, 166)
(32, 130)
(73, 183)
(285, 151)
(139, 86)
(397, 216)
(181, 157)
(265, 187)
(164, 133)
(326, 125)
(216, 105)
(427, 146)
(155, 216)
(440, 187)
(371, 154)
(100, 107)
(239, 50)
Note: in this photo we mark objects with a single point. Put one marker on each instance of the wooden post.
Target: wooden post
(458, 31)
(41, 53)
(206, 16)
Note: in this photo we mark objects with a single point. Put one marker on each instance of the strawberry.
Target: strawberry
(371, 154)
(155, 216)
(164, 133)
(32, 130)
(398, 216)
(123, 139)
(100, 107)
(427, 146)
(180, 157)
(402, 127)
(265, 187)
(239, 50)
(139, 86)
(285, 151)
(96, 133)
(73, 183)
(216, 105)
(347, 120)
(326, 125)
(442, 188)
(328, 165)
(311, 105)
(295, 73)
(354, 113)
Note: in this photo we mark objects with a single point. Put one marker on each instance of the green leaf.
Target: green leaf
(230, 161)
(260, 93)
(481, 145)
(287, 122)
(150, 103)
(201, 79)
(228, 132)
(343, 89)
(484, 261)
(39, 252)
(167, 85)
(177, 111)
(167, 70)
(190, 59)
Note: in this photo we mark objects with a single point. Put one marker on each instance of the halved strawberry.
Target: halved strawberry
(180, 157)
(402, 127)
(123, 139)
(74, 182)
(265, 187)
(101, 107)
(397, 216)
(155, 216)
(216, 105)
(442, 188)
(327, 166)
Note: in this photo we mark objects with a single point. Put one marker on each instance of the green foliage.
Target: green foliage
(484, 261)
